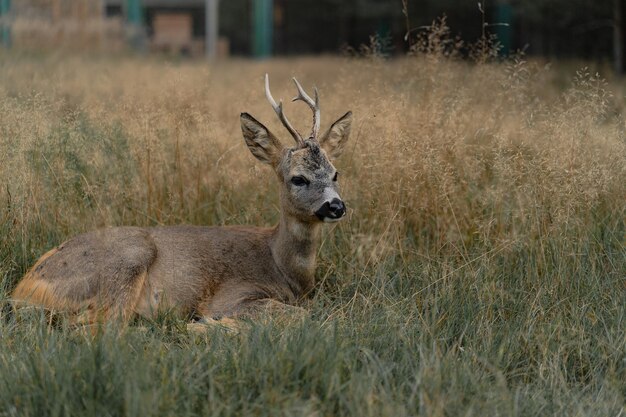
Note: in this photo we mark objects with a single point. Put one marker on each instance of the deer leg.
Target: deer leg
(268, 307)
(225, 323)
(258, 310)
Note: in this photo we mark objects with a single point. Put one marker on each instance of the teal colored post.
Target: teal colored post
(134, 12)
(5, 25)
(263, 22)
(504, 15)
(134, 15)
(384, 38)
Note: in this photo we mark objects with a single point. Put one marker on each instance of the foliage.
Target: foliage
(480, 270)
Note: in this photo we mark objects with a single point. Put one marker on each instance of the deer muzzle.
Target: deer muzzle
(331, 211)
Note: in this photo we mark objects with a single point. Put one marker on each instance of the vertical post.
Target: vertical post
(503, 29)
(211, 27)
(618, 37)
(263, 17)
(134, 12)
(134, 15)
(5, 23)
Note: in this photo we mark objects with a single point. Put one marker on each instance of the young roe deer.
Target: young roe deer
(206, 272)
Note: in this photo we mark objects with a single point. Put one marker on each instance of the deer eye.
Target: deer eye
(299, 181)
(336, 175)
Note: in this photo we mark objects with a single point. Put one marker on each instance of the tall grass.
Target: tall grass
(481, 269)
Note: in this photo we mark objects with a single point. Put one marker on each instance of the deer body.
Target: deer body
(206, 271)
(209, 272)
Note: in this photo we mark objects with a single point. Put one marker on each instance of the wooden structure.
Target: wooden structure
(179, 26)
(173, 31)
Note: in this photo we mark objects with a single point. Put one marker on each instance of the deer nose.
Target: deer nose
(336, 208)
(331, 211)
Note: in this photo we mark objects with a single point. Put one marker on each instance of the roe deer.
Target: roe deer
(206, 272)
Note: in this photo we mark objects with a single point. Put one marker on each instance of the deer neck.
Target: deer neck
(294, 248)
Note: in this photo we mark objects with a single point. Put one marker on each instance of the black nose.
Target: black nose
(337, 208)
(333, 210)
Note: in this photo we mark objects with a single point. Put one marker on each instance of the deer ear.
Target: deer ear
(335, 138)
(261, 142)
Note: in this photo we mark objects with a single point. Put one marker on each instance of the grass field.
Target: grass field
(481, 270)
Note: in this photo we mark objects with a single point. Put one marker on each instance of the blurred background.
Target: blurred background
(582, 29)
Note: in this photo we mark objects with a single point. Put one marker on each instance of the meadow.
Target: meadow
(481, 269)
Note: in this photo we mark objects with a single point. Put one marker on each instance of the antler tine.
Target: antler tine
(313, 104)
(278, 108)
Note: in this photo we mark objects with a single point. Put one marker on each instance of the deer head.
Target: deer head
(309, 189)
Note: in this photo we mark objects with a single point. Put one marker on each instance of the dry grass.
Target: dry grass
(480, 272)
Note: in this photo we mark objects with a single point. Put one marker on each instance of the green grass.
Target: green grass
(481, 270)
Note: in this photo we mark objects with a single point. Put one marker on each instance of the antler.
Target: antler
(313, 104)
(278, 108)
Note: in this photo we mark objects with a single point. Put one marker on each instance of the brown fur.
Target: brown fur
(210, 272)
(33, 290)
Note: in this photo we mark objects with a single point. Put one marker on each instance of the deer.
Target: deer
(208, 274)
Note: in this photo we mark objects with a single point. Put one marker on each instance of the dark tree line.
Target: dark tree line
(589, 29)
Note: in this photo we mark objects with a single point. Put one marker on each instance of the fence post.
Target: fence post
(504, 13)
(211, 27)
(134, 16)
(263, 22)
(5, 23)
